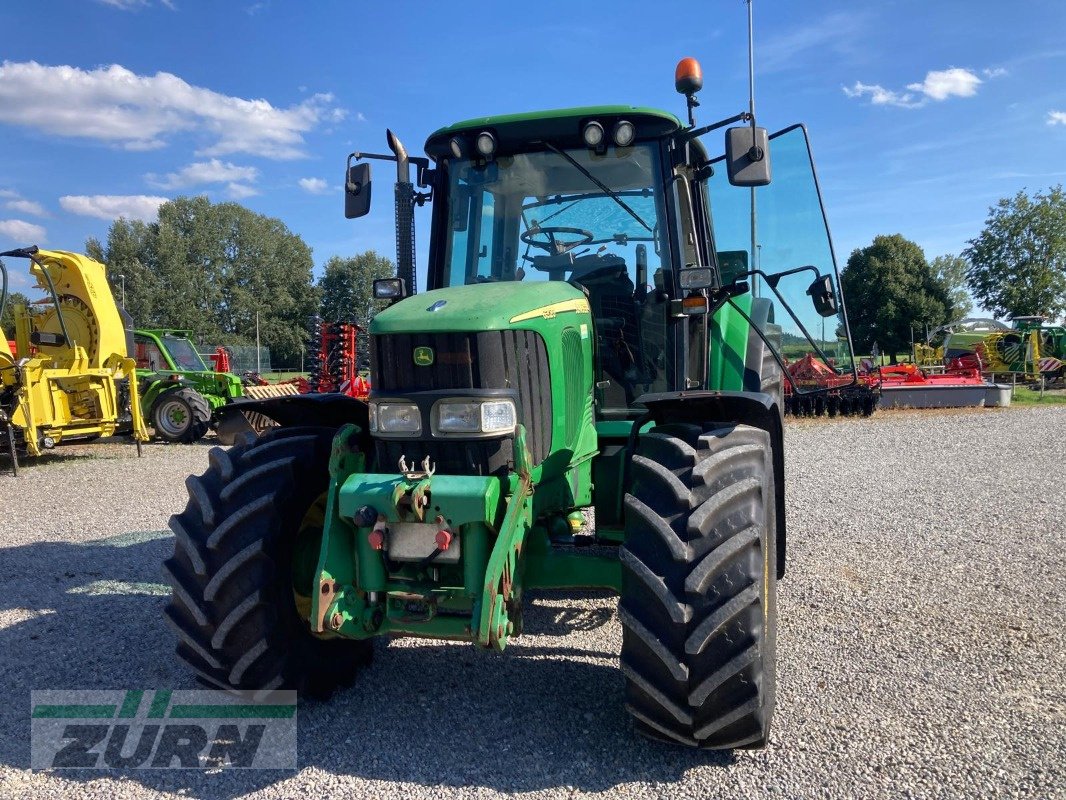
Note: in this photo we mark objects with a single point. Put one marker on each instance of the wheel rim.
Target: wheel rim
(173, 418)
(305, 561)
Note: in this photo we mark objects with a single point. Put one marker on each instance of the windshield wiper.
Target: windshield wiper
(600, 184)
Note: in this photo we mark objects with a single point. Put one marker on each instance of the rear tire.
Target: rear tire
(233, 604)
(699, 583)
(181, 416)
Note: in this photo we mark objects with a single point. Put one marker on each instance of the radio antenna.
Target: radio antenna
(751, 70)
(756, 253)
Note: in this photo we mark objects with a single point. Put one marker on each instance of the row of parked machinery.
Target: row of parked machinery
(1029, 347)
(66, 374)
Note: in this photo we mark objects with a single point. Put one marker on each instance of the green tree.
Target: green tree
(951, 272)
(7, 321)
(127, 269)
(890, 289)
(1017, 265)
(347, 287)
(211, 268)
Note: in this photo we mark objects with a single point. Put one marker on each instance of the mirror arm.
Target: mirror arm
(425, 174)
(694, 133)
(772, 279)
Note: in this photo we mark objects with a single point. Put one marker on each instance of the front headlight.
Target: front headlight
(396, 418)
(473, 416)
(459, 418)
(498, 416)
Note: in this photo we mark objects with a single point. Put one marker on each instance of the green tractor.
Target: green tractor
(581, 348)
(179, 392)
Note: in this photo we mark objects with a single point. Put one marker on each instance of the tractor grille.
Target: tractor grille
(481, 457)
(515, 360)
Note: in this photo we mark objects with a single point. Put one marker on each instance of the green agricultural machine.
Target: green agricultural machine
(1029, 347)
(581, 348)
(179, 392)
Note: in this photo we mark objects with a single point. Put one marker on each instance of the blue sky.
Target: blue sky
(921, 114)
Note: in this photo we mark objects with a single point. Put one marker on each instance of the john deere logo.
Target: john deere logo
(423, 356)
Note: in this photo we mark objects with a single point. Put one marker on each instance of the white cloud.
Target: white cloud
(138, 112)
(880, 96)
(1056, 118)
(9, 193)
(110, 207)
(995, 72)
(134, 5)
(942, 84)
(314, 185)
(238, 191)
(26, 207)
(938, 85)
(201, 172)
(25, 233)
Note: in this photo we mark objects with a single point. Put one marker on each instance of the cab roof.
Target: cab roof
(556, 124)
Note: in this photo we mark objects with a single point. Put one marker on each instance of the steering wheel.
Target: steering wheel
(553, 245)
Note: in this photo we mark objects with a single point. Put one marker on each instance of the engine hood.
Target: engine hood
(481, 307)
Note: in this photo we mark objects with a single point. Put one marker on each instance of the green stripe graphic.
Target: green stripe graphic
(159, 704)
(131, 703)
(232, 712)
(133, 699)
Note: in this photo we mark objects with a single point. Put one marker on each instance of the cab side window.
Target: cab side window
(148, 355)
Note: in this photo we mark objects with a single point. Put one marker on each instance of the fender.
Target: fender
(330, 410)
(757, 409)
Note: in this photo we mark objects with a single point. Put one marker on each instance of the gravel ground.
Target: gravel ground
(921, 650)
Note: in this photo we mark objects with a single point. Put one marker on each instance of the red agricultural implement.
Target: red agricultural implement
(843, 397)
(909, 386)
(335, 367)
(220, 360)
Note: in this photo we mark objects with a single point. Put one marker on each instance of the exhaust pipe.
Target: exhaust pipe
(405, 214)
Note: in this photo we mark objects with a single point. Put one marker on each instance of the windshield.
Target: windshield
(597, 219)
(183, 354)
(538, 216)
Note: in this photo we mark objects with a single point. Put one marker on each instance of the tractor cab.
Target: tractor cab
(162, 350)
(589, 208)
(679, 266)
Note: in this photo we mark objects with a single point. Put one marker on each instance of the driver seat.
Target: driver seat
(614, 311)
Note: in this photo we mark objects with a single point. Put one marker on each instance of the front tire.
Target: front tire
(699, 586)
(236, 593)
(181, 416)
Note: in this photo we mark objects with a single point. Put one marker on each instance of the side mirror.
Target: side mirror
(357, 191)
(825, 299)
(747, 156)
